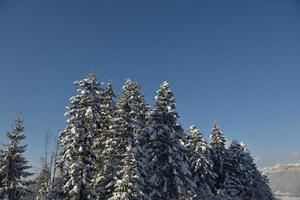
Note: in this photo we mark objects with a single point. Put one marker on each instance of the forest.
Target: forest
(118, 147)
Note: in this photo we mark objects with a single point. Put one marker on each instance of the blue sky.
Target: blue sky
(235, 62)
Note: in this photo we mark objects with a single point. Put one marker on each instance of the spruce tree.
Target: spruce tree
(169, 175)
(131, 184)
(76, 140)
(104, 144)
(104, 124)
(237, 181)
(128, 123)
(201, 165)
(14, 173)
(219, 155)
(231, 190)
(243, 180)
(260, 188)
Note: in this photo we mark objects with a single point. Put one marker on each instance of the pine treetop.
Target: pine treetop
(217, 140)
(17, 132)
(164, 99)
(196, 139)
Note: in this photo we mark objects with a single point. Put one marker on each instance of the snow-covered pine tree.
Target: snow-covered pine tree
(42, 182)
(104, 124)
(76, 140)
(237, 181)
(128, 123)
(167, 161)
(260, 188)
(131, 184)
(14, 173)
(218, 155)
(131, 116)
(243, 180)
(201, 165)
(231, 190)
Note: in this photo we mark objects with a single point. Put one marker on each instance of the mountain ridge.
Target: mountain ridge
(284, 179)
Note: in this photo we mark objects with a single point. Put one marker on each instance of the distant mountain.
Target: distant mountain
(284, 179)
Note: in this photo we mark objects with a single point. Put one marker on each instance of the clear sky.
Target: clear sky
(235, 62)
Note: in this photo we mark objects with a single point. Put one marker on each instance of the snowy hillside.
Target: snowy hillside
(284, 180)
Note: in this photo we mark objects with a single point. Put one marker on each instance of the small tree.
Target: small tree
(57, 185)
(13, 170)
(57, 182)
(43, 180)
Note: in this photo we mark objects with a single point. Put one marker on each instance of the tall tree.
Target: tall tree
(104, 145)
(167, 160)
(15, 181)
(201, 165)
(219, 155)
(76, 140)
(104, 124)
(128, 123)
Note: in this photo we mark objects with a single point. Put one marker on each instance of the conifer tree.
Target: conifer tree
(236, 184)
(104, 144)
(243, 180)
(129, 120)
(76, 140)
(260, 188)
(104, 123)
(14, 173)
(201, 165)
(231, 190)
(168, 168)
(219, 155)
(131, 184)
